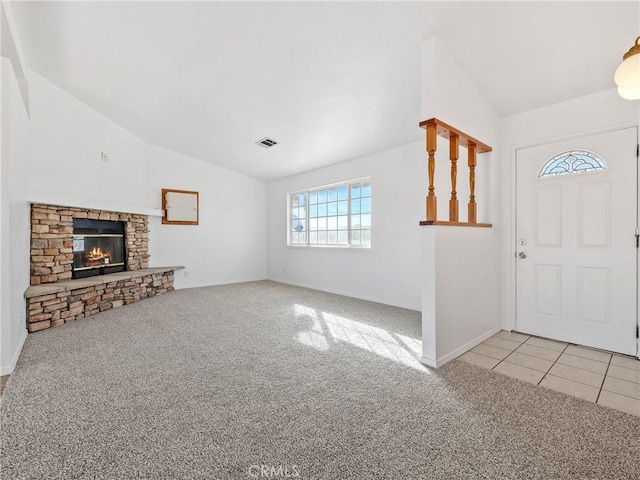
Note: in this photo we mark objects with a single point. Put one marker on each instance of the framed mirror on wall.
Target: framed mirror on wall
(180, 207)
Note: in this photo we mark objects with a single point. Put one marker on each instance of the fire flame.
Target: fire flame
(97, 255)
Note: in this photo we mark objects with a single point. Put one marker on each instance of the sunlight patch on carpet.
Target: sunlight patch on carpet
(328, 328)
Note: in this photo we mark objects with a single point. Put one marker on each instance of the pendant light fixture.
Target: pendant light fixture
(627, 74)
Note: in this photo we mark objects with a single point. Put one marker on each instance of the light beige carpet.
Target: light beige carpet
(221, 382)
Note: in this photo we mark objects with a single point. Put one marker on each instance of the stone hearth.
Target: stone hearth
(57, 303)
(54, 299)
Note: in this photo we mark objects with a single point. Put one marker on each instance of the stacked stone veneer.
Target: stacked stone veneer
(54, 299)
(55, 304)
(52, 240)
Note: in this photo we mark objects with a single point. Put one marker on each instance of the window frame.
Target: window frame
(307, 193)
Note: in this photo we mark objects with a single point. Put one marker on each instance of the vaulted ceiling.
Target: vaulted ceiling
(330, 81)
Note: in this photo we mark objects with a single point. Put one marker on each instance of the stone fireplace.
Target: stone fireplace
(64, 262)
(98, 247)
(52, 238)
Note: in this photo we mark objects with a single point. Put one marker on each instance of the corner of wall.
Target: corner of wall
(10, 367)
(451, 95)
(12, 50)
(14, 241)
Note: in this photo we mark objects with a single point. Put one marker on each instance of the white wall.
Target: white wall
(581, 116)
(14, 220)
(449, 94)
(55, 156)
(460, 302)
(230, 243)
(389, 272)
(460, 265)
(68, 137)
(12, 50)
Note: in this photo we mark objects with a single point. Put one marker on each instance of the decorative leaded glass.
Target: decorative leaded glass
(573, 161)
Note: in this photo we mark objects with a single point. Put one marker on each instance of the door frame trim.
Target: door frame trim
(510, 298)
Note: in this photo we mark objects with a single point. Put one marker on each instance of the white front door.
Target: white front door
(576, 240)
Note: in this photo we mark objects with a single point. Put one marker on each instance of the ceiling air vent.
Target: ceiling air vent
(266, 142)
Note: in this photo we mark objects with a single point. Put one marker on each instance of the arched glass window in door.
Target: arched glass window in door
(573, 161)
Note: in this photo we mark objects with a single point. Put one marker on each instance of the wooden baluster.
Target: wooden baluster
(435, 127)
(454, 151)
(432, 202)
(472, 183)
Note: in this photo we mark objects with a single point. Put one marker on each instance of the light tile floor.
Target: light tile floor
(601, 377)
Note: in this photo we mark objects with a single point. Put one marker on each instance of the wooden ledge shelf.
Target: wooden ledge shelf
(424, 223)
(445, 131)
(68, 285)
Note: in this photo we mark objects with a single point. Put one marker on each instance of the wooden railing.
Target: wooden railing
(435, 127)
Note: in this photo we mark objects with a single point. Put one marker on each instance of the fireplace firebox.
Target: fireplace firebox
(98, 247)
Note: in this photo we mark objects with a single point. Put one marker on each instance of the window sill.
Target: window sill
(329, 247)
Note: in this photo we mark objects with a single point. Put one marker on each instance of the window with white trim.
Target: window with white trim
(334, 215)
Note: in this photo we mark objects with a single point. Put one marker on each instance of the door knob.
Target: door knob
(522, 255)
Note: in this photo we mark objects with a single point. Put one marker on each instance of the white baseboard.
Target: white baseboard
(215, 284)
(459, 351)
(347, 294)
(428, 362)
(8, 369)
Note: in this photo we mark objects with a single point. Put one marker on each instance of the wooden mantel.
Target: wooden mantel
(457, 138)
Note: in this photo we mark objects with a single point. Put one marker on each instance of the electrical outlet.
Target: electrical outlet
(104, 156)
